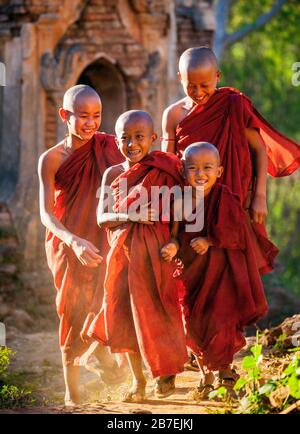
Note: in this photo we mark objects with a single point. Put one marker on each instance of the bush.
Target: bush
(11, 395)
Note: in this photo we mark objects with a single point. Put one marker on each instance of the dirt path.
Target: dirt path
(37, 365)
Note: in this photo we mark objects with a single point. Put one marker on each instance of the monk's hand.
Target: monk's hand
(200, 245)
(169, 251)
(258, 208)
(86, 252)
(146, 215)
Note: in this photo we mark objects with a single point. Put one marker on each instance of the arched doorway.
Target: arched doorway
(107, 80)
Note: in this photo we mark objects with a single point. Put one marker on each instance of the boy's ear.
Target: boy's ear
(63, 115)
(219, 76)
(154, 137)
(220, 171)
(179, 75)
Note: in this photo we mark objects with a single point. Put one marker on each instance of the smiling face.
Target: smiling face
(85, 118)
(135, 136)
(202, 168)
(199, 83)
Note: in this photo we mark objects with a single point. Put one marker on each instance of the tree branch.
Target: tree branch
(260, 22)
(221, 14)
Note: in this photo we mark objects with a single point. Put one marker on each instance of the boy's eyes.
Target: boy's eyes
(86, 116)
(194, 86)
(139, 136)
(194, 167)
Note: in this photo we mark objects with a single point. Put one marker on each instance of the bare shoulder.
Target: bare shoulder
(111, 173)
(176, 112)
(51, 159)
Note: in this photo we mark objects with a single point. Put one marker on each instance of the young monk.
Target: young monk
(223, 289)
(249, 147)
(140, 315)
(70, 175)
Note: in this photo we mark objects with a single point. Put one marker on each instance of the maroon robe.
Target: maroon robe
(141, 311)
(79, 288)
(223, 288)
(222, 121)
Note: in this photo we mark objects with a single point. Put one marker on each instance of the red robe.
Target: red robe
(222, 121)
(79, 288)
(223, 288)
(141, 311)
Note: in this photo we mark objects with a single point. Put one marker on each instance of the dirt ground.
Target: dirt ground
(37, 366)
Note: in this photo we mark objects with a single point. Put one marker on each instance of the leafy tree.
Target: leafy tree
(260, 65)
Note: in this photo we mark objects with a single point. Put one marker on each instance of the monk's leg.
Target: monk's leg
(71, 384)
(112, 373)
(137, 392)
(207, 376)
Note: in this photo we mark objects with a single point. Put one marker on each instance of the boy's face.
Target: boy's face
(202, 169)
(200, 83)
(135, 138)
(85, 119)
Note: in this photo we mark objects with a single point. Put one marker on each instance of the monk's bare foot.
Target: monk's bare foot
(136, 393)
(165, 386)
(72, 401)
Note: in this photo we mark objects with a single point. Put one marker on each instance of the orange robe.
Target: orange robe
(141, 311)
(223, 291)
(222, 121)
(79, 288)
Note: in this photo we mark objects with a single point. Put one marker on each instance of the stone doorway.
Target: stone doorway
(107, 80)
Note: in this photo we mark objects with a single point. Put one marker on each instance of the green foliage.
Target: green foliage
(11, 395)
(260, 65)
(5, 353)
(255, 395)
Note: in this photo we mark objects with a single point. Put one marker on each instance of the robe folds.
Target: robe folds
(79, 288)
(141, 310)
(223, 291)
(222, 121)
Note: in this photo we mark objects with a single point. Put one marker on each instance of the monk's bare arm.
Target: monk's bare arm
(48, 165)
(168, 130)
(106, 217)
(259, 204)
(171, 118)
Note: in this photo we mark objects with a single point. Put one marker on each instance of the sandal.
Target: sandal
(203, 390)
(165, 386)
(228, 381)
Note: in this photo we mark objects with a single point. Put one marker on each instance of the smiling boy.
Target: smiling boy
(249, 147)
(70, 175)
(223, 288)
(140, 315)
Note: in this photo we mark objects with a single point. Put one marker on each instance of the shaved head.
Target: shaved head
(194, 148)
(78, 93)
(132, 116)
(197, 57)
